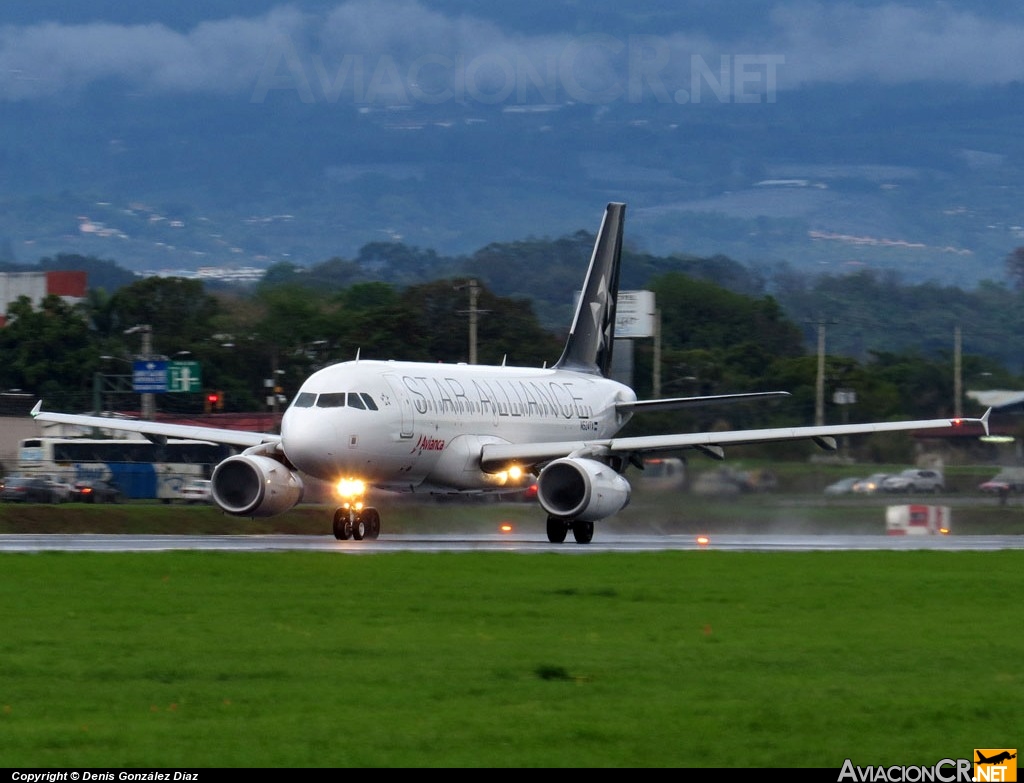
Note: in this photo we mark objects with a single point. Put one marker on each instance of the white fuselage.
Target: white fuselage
(410, 425)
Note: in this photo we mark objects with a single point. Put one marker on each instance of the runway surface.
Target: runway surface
(512, 542)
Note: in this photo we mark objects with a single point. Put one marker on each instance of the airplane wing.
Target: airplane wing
(496, 456)
(674, 403)
(152, 429)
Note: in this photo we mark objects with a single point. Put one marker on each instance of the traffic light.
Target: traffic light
(213, 400)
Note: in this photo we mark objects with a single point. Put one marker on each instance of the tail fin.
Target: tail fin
(589, 347)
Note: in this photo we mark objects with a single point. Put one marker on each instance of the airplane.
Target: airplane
(462, 428)
(996, 759)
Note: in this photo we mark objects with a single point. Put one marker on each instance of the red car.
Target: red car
(97, 492)
(1004, 483)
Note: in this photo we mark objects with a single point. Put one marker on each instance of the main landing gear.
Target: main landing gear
(582, 531)
(356, 523)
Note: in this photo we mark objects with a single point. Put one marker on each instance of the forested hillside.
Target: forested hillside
(725, 328)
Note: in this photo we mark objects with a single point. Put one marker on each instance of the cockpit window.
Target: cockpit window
(304, 400)
(331, 400)
(360, 400)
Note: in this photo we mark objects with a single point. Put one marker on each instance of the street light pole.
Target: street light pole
(148, 401)
(656, 373)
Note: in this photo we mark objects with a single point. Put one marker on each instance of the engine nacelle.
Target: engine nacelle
(254, 486)
(583, 489)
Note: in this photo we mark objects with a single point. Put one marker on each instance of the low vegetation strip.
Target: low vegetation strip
(704, 658)
(658, 512)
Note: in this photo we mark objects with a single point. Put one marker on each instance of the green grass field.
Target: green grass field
(702, 659)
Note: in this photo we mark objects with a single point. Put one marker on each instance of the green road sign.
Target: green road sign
(184, 377)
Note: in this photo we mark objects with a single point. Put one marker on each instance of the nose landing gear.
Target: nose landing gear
(357, 524)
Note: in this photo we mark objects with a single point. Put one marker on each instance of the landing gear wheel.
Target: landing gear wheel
(557, 529)
(342, 525)
(359, 527)
(583, 532)
(372, 519)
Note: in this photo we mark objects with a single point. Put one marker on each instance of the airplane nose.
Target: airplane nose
(308, 441)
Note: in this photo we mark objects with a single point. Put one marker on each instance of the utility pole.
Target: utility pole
(819, 397)
(474, 314)
(958, 373)
(474, 294)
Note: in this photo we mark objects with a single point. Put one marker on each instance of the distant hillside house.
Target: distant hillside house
(69, 286)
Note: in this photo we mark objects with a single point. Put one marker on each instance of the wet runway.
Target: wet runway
(511, 542)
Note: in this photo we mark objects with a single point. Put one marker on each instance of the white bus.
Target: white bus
(139, 468)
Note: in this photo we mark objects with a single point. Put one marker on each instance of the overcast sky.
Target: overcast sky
(51, 49)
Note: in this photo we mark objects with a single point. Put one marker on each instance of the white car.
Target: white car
(196, 491)
(915, 480)
(842, 486)
(870, 485)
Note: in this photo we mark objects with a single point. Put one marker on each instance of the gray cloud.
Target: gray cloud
(896, 44)
(218, 56)
(402, 48)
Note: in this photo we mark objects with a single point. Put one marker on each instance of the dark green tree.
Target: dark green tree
(48, 351)
(179, 311)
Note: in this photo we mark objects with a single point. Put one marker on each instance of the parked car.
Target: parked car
(729, 482)
(1004, 482)
(28, 489)
(97, 492)
(871, 484)
(196, 491)
(7, 479)
(663, 473)
(841, 487)
(915, 480)
(64, 491)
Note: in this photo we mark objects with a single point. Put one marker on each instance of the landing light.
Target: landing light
(703, 540)
(506, 527)
(350, 488)
(514, 473)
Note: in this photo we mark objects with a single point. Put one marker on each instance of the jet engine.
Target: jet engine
(255, 486)
(581, 489)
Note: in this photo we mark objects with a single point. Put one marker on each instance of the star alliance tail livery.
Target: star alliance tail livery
(456, 428)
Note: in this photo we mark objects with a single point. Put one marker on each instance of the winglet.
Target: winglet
(984, 420)
(36, 408)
